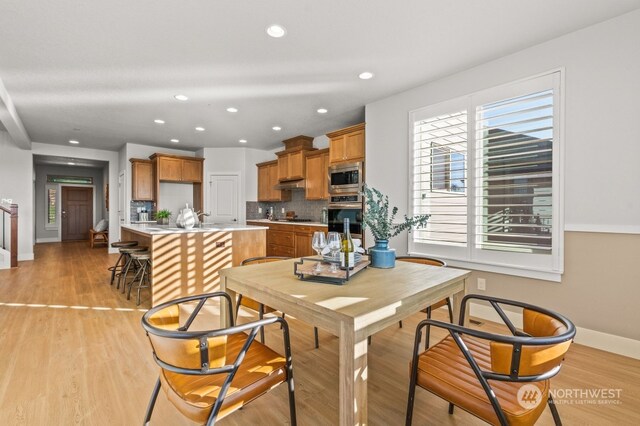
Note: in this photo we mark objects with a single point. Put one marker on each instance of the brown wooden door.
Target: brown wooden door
(77, 213)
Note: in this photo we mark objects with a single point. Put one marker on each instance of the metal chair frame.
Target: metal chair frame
(517, 340)
(203, 336)
(261, 305)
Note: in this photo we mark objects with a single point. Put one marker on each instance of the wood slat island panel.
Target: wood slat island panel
(188, 263)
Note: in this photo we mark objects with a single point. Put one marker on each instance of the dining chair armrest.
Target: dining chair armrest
(495, 302)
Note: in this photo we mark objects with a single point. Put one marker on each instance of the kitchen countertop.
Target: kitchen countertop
(285, 222)
(154, 229)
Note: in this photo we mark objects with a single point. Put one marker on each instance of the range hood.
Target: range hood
(291, 184)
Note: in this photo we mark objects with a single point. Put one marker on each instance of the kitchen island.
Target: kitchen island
(187, 261)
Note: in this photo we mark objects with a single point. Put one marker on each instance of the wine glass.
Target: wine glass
(318, 243)
(333, 242)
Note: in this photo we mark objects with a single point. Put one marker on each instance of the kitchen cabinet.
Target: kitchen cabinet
(317, 184)
(347, 145)
(291, 165)
(142, 187)
(178, 169)
(191, 170)
(289, 240)
(267, 180)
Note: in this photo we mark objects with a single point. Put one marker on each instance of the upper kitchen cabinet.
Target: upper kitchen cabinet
(291, 165)
(291, 161)
(317, 185)
(346, 145)
(172, 168)
(267, 180)
(142, 187)
(192, 170)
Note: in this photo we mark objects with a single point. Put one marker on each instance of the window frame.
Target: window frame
(51, 226)
(547, 267)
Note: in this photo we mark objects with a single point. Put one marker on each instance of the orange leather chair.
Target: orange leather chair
(208, 373)
(459, 367)
(261, 308)
(439, 304)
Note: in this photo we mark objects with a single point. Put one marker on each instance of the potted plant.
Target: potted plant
(162, 216)
(380, 220)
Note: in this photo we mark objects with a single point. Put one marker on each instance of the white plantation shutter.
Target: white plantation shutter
(514, 147)
(486, 167)
(440, 178)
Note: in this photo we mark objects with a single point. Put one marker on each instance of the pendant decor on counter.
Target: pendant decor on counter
(382, 256)
(186, 218)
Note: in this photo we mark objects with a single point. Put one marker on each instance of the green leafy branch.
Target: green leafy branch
(376, 216)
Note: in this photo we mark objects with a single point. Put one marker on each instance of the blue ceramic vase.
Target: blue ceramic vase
(382, 256)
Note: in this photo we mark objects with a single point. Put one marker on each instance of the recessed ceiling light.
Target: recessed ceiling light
(175, 140)
(365, 75)
(322, 111)
(181, 97)
(74, 142)
(277, 128)
(232, 109)
(276, 31)
(158, 121)
(242, 141)
(71, 164)
(200, 129)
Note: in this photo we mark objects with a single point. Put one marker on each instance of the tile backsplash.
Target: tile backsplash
(133, 211)
(304, 209)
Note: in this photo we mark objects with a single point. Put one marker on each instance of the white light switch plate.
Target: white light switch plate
(482, 284)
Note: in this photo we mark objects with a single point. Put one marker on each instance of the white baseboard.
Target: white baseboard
(25, 256)
(584, 336)
(48, 240)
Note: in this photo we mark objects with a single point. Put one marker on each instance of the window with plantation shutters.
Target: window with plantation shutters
(486, 168)
(440, 176)
(514, 146)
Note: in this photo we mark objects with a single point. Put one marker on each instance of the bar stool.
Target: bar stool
(117, 268)
(128, 263)
(143, 261)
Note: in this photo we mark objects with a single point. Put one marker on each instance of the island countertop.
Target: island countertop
(154, 229)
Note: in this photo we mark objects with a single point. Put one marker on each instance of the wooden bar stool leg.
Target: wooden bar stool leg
(123, 273)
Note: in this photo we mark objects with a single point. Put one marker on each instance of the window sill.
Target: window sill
(554, 276)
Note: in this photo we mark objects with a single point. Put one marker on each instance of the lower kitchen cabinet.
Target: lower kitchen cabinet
(289, 240)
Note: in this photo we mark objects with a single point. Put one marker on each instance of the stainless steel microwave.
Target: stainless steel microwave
(346, 178)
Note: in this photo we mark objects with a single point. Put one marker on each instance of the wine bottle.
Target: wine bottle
(347, 249)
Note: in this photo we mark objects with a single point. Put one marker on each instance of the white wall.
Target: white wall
(601, 172)
(16, 182)
(601, 91)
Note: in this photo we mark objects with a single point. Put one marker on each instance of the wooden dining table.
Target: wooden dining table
(370, 301)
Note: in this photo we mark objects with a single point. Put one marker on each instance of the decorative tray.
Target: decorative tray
(305, 269)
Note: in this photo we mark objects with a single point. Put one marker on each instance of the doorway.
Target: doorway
(77, 213)
(223, 199)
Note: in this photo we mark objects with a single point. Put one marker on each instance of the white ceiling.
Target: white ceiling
(101, 71)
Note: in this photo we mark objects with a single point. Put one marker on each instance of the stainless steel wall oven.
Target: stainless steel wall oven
(346, 206)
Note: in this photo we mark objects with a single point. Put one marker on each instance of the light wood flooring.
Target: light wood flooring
(72, 351)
